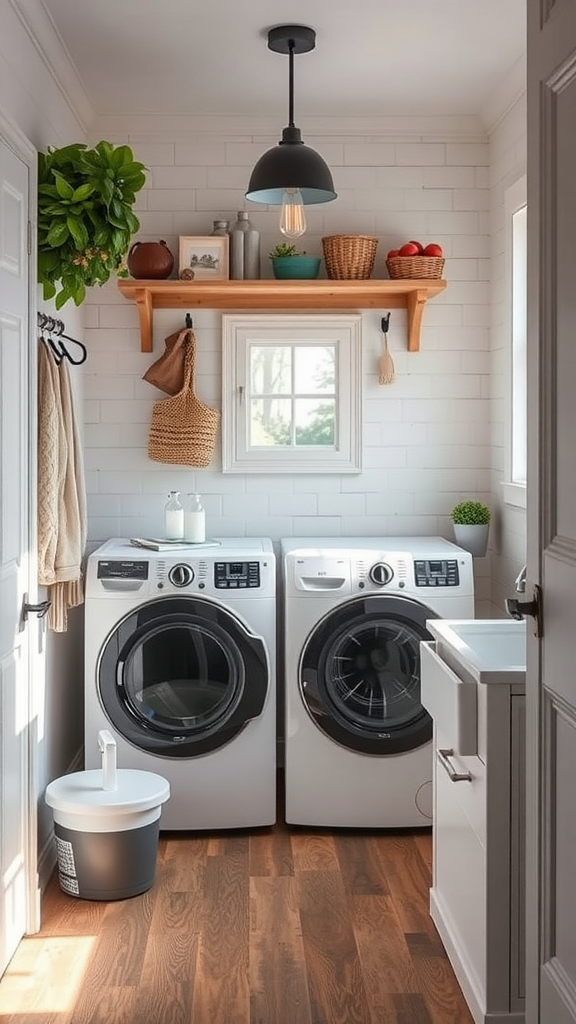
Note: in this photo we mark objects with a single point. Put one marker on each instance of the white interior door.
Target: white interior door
(551, 734)
(17, 843)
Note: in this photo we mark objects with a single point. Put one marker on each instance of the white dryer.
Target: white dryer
(180, 662)
(358, 742)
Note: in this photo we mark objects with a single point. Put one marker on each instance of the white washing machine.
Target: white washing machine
(180, 667)
(358, 743)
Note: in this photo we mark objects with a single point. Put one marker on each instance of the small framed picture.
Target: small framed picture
(203, 258)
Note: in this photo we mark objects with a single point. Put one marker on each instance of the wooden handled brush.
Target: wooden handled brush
(385, 363)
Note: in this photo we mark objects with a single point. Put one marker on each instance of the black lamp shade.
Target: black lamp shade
(290, 164)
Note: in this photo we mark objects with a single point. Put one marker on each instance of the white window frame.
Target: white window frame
(239, 333)
(514, 490)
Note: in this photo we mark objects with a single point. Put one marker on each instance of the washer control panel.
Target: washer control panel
(236, 575)
(436, 572)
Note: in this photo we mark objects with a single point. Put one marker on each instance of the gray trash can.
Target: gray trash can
(106, 824)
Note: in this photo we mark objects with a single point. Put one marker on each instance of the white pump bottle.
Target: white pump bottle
(194, 521)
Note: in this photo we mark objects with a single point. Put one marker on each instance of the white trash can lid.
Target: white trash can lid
(83, 791)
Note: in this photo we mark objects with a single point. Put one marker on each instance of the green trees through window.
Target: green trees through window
(292, 395)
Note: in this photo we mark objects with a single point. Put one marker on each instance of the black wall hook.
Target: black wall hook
(56, 328)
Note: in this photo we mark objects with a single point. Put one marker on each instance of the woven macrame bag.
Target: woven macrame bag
(183, 429)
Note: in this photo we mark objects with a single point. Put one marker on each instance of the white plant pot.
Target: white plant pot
(473, 538)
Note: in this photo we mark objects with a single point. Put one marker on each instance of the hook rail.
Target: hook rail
(55, 329)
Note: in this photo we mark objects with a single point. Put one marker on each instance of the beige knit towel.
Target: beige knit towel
(61, 491)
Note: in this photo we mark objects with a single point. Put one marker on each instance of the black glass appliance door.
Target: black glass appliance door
(182, 676)
(360, 675)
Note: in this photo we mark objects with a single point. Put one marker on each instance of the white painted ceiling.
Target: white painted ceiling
(373, 58)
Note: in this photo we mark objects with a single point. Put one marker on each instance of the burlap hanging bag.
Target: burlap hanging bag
(183, 429)
(167, 372)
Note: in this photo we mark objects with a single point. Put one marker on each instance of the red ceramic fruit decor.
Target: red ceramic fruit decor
(150, 260)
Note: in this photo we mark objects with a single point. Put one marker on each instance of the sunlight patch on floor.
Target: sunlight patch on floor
(45, 974)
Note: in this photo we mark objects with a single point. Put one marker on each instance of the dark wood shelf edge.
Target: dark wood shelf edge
(411, 295)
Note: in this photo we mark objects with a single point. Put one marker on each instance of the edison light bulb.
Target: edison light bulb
(292, 219)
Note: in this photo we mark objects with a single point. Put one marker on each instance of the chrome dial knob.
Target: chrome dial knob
(181, 575)
(381, 574)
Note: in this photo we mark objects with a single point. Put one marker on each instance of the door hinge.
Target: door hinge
(29, 232)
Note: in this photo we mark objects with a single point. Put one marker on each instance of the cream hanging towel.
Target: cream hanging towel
(61, 491)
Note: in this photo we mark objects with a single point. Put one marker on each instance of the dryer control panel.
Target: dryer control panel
(436, 572)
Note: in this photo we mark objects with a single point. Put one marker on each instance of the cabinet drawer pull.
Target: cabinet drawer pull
(444, 758)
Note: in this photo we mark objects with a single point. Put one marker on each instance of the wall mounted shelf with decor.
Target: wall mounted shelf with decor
(410, 295)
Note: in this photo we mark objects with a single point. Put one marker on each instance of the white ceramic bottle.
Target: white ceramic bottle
(194, 520)
(174, 517)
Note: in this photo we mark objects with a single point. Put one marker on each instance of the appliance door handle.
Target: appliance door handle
(454, 776)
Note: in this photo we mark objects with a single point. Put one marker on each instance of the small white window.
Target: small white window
(516, 286)
(291, 393)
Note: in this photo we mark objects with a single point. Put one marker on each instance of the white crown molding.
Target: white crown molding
(50, 46)
(505, 96)
(269, 130)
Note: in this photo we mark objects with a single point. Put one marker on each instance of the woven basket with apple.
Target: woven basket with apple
(414, 260)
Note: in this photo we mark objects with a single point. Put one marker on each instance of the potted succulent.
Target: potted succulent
(85, 218)
(289, 262)
(471, 522)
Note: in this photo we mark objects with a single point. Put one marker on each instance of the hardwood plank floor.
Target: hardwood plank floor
(272, 926)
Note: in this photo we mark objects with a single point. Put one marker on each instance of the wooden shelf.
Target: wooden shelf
(282, 295)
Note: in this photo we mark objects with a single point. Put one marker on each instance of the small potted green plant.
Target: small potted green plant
(471, 522)
(85, 218)
(289, 262)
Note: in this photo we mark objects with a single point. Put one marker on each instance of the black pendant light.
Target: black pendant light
(291, 174)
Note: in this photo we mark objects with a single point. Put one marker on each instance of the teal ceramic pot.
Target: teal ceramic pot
(301, 267)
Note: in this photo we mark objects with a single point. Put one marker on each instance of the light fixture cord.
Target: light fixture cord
(291, 45)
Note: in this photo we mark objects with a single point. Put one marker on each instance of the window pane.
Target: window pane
(315, 421)
(314, 369)
(270, 369)
(270, 422)
(292, 393)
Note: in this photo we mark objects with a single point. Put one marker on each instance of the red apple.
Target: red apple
(408, 249)
(432, 250)
(391, 253)
(419, 245)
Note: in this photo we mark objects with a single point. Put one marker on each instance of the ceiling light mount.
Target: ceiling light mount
(298, 38)
(291, 174)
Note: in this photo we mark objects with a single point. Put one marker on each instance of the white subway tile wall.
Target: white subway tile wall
(429, 438)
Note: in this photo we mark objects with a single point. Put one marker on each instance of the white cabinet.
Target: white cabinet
(477, 896)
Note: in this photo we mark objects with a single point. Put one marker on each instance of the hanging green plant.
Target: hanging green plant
(85, 218)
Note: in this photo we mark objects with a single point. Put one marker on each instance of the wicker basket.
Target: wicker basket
(349, 257)
(429, 267)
